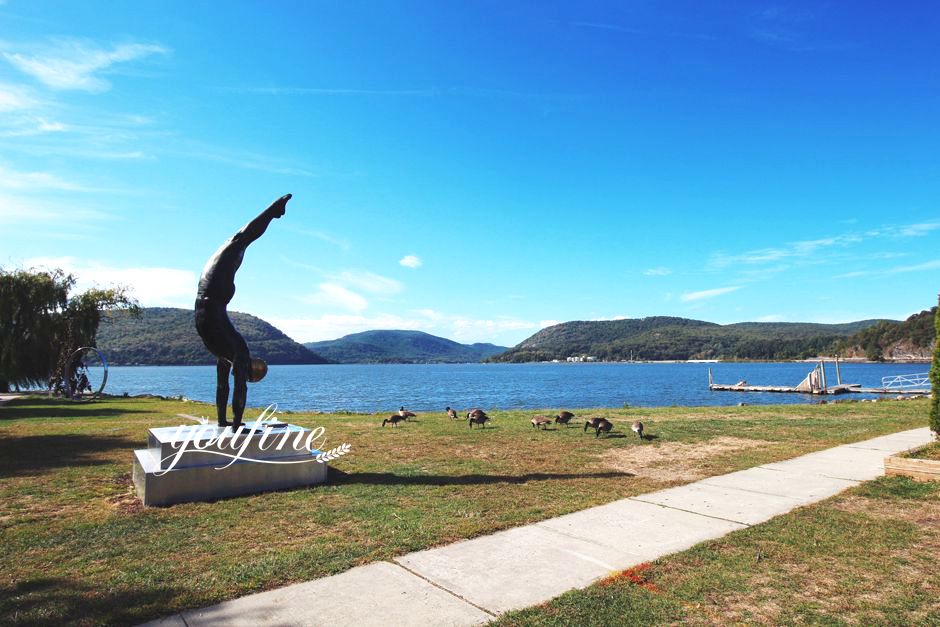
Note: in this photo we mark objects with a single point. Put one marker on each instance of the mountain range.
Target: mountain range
(167, 336)
(667, 338)
(401, 347)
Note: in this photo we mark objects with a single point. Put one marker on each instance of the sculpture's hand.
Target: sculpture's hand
(279, 206)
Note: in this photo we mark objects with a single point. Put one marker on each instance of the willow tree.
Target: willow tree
(41, 323)
(935, 377)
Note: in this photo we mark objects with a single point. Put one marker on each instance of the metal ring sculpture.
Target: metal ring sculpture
(75, 355)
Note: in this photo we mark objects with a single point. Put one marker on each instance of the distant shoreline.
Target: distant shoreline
(849, 360)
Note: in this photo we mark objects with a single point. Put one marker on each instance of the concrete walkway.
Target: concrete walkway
(473, 581)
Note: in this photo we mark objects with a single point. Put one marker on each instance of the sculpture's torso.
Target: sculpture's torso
(217, 282)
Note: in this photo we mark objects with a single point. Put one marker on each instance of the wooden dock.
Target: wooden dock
(830, 391)
(815, 383)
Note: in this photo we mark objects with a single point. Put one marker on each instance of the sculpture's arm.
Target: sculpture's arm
(256, 228)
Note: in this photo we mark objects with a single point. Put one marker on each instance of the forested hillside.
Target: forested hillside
(911, 339)
(167, 336)
(665, 338)
(401, 347)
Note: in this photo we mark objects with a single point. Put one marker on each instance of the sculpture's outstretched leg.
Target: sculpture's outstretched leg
(222, 369)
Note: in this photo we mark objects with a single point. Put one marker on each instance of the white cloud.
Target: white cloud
(74, 64)
(660, 271)
(772, 318)
(460, 328)
(332, 326)
(548, 323)
(370, 282)
(152, 286)
(410, 261)
(334, 294)
(704, 294)
(472, 330)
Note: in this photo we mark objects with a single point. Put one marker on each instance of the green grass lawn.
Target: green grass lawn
(865, 557)
(77, 547)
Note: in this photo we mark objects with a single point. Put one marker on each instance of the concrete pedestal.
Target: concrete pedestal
(205, 471)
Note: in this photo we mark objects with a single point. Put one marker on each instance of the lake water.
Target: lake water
(383, 388)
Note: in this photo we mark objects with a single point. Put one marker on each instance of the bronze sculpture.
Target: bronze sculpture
(216, 289)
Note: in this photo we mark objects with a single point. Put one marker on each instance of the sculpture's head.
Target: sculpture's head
(258, 369)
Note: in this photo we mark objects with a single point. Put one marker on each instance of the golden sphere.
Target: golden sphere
(258, 369)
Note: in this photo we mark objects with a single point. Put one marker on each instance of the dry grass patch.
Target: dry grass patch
(675, 461)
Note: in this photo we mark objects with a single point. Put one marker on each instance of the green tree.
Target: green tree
(935, 377)
(41, 324)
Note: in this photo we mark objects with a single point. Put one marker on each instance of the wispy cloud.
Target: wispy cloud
(607, 26)
(329, 238)
(920, 267)
(37, 181)
(772, 318)
(246, 161)
(427, 92)
(790, 29)
(799, 249)
(659, 271)
(75, 64)
(410, 261)
(24, 213)
(712, 293)
(16, 98)
(327, 91)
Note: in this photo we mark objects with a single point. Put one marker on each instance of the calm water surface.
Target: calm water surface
(378, 388)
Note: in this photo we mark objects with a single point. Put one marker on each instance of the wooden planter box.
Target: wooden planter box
(919, 469)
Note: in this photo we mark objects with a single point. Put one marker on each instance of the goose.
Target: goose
(563, 418)
(599, 424)
(541, 421)
(637, 428)
(451, 413)
(405, 414)
(393, 420)
(477, 416)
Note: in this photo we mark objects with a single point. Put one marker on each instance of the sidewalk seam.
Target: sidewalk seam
(687, 511)
(440, 587)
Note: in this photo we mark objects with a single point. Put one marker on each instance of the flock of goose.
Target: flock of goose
(477, 416)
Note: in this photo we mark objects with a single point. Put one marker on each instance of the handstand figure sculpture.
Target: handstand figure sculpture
(216, 289)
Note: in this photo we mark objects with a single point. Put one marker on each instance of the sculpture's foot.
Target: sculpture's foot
(224, 423)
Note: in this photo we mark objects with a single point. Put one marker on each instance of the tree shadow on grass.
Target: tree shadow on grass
(59, 601)
(388, 478)
(33, 407)
(36, 454)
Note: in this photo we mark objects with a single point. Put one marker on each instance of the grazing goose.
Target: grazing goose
(637, 428)
(541, 421)
(599, 424)
(451, 413)
(563, 418)
(477, 416)
(393, 420)
(405, 414)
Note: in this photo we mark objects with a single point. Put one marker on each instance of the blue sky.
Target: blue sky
(479, 170)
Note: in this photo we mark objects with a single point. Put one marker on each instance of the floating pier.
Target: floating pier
(815, 383)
